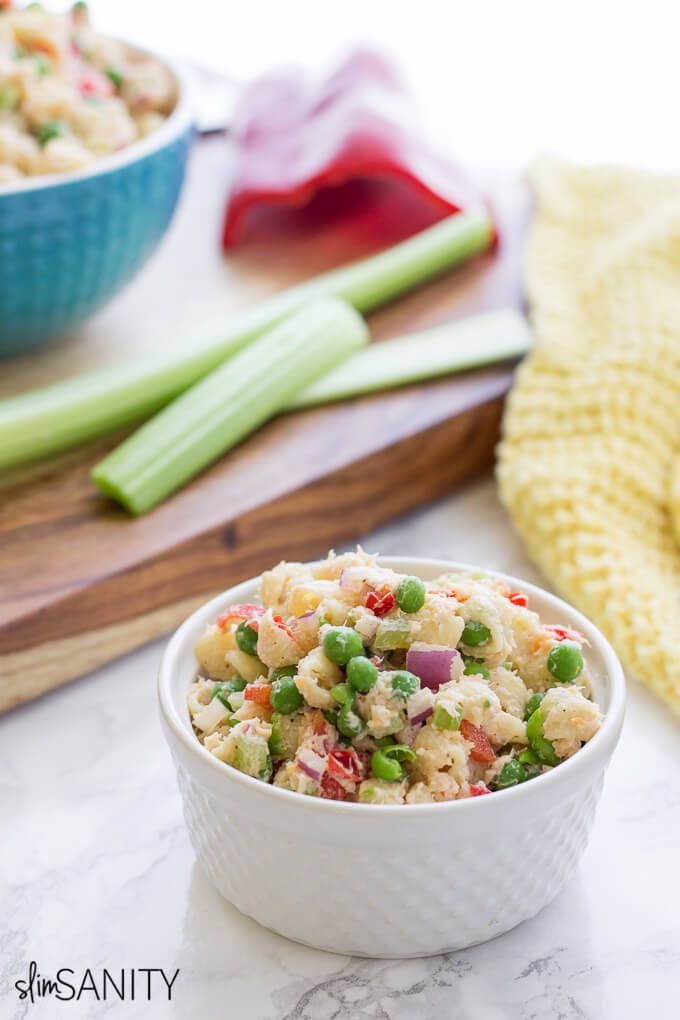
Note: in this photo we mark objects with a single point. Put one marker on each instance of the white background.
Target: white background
(498, 79)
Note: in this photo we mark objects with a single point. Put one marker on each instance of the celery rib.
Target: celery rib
(54, 418)
(453, 347)
(229, 403)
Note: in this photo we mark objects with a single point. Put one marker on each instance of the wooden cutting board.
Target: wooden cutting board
(81, 582)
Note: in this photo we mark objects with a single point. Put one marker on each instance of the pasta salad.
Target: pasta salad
(69, 96)
(351, 682)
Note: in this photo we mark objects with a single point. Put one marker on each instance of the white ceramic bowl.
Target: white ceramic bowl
(378, 880)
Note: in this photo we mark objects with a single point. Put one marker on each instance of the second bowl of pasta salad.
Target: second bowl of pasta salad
(94, 135)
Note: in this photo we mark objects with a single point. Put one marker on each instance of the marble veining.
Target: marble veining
(96, 871)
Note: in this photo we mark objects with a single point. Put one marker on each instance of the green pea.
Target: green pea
(384, 768)
(565, 661)
(532, 704)
(282, 671)
(512, 773)
(540, 744)
(404, 684)
(227, 687)
(342, 644)
(476, 667)
(386, 762)
(246, 638)
(343, 694)
(349, 723)
(51, 129)
(410, 595)
(115, 76)
(401, 752)
(475, 633)
(443, 719)
(284, 696)
(361, 673)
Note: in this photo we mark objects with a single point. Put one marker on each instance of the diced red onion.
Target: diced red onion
(422, 716)
(312, 764)
(419, 706)
(432, 663)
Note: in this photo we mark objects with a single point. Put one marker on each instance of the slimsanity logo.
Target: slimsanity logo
(126, 985)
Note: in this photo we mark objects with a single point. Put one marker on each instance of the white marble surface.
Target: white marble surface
(96, 870)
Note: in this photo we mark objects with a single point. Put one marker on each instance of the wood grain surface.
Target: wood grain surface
(81, 582)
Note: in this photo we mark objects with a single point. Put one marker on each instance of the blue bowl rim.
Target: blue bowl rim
(178, 122)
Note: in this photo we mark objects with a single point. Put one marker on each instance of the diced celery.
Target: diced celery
(444, 720)
(252, 756)
(391, 634)
(285, 734)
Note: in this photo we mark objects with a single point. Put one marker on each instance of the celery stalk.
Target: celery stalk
(56, 417)
(229, 403)
(452, 347)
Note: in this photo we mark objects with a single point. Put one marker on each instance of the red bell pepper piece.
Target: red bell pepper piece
(481, 748)
(380, 602)
(331, 789)
(478, 791)
(259, 693)
(518, 598)
(293, 137)
(345, 763)
(243, 611)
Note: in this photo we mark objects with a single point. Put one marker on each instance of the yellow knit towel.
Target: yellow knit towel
(589, 463)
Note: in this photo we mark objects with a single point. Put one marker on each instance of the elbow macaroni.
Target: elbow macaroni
(502, 711)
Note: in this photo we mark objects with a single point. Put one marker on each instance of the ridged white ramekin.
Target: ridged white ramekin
(388, 881)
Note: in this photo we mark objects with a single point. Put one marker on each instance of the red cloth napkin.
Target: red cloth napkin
(294, 137)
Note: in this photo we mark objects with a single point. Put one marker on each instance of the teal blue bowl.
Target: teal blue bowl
(69, 242)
